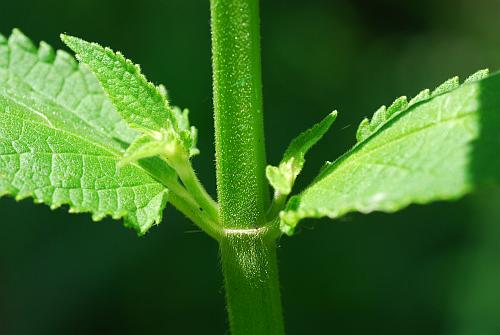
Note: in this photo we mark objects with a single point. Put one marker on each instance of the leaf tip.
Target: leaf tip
(66, 38)
(333, 115)
(74, 43)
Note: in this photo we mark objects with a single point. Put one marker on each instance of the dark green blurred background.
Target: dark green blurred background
(425, 270)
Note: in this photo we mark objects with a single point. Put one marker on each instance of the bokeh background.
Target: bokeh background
(425, 270)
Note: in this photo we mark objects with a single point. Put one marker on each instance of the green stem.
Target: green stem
(251, 282)
(239, 131)
(248, 249)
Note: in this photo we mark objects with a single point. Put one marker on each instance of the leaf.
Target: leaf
(283, 177)
(382, 116)
(447, 86)
(141, 104)
(57, 76)
(367, 127)
(138, 101)
(144, 146)
(439, 148)
(53, 150)
(421, 96)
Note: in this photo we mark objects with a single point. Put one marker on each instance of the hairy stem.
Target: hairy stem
(251, 281)
(239, 131)
(248, 249)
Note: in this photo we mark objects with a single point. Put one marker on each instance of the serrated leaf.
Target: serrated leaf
(138, 101)
(382, 116)
(378, 118)
(447, 86)
(481, 74)
(57, 76)
(421, 96)
(363, 130)
(58, 144)
(399, 105)
(283, 177)
(141, 104)
(439, 149)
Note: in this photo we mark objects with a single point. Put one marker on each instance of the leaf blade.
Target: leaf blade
(58, 168)
(54, 152)
(428, 152)
(138, 101)
(141, 104)
(57, 77)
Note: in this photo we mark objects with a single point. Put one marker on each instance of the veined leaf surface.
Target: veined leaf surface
(60, 139)
(439, 148)
(141, 104)
(57, 76)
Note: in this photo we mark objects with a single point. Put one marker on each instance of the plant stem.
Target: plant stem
(251, 281)
(248, 249)
(239, 130)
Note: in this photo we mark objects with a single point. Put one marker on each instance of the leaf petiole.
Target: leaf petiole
(185, 202)
(193, 185)
(277, 205)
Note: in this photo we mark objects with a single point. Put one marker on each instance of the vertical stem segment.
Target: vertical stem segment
(251, 282)
(248, 253)
(239, 131)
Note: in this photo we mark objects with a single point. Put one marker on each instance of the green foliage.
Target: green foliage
(56, 76)
(60, 139)
(100, 138)
(283, 176)
(380, 117)
(140, 103)
(398, 158)
(439, 147)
